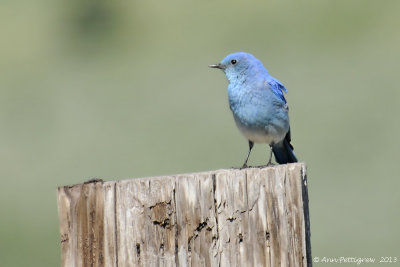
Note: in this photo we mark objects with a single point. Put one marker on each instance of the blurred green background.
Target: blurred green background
(119, 89)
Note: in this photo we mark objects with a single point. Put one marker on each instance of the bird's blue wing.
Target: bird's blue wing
(277, 87)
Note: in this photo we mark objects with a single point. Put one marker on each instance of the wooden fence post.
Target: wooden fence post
(249, 217)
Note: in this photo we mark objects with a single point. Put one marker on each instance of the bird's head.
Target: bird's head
(241, 65)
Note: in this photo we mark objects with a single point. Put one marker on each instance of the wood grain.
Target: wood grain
(249, 217)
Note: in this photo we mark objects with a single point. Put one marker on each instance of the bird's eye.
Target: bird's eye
(233, 61)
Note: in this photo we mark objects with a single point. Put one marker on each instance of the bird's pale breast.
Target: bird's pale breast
(260, 116)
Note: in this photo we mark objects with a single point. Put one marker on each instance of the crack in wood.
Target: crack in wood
(164, 224)
(115, 225)
(240, 236)
(64, 238)
(231, 219)
(215, 237)
(138, 249)
(252, 217)
(176, 227)
(198, 230)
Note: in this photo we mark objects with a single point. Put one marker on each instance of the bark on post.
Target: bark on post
(249, 217)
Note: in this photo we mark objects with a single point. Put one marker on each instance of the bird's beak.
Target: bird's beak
(217, 66)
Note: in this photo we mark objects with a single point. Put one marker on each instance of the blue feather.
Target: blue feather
(258, 105)
(277, 87)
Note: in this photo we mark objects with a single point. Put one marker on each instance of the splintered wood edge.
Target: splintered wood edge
(70, 198)
(205, 173)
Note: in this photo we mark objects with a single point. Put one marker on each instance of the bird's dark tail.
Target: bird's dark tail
(283, 151)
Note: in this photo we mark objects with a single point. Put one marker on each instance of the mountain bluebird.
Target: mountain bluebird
(259, 108)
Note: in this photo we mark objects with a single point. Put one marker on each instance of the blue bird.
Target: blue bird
(258, 105)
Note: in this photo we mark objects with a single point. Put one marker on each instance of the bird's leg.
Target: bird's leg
(251, 144)
(270, 157)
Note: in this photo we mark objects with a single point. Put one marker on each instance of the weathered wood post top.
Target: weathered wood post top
(230, 217)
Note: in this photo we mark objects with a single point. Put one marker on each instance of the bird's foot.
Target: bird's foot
(270, 164)
(245, 166)
(239, 168)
